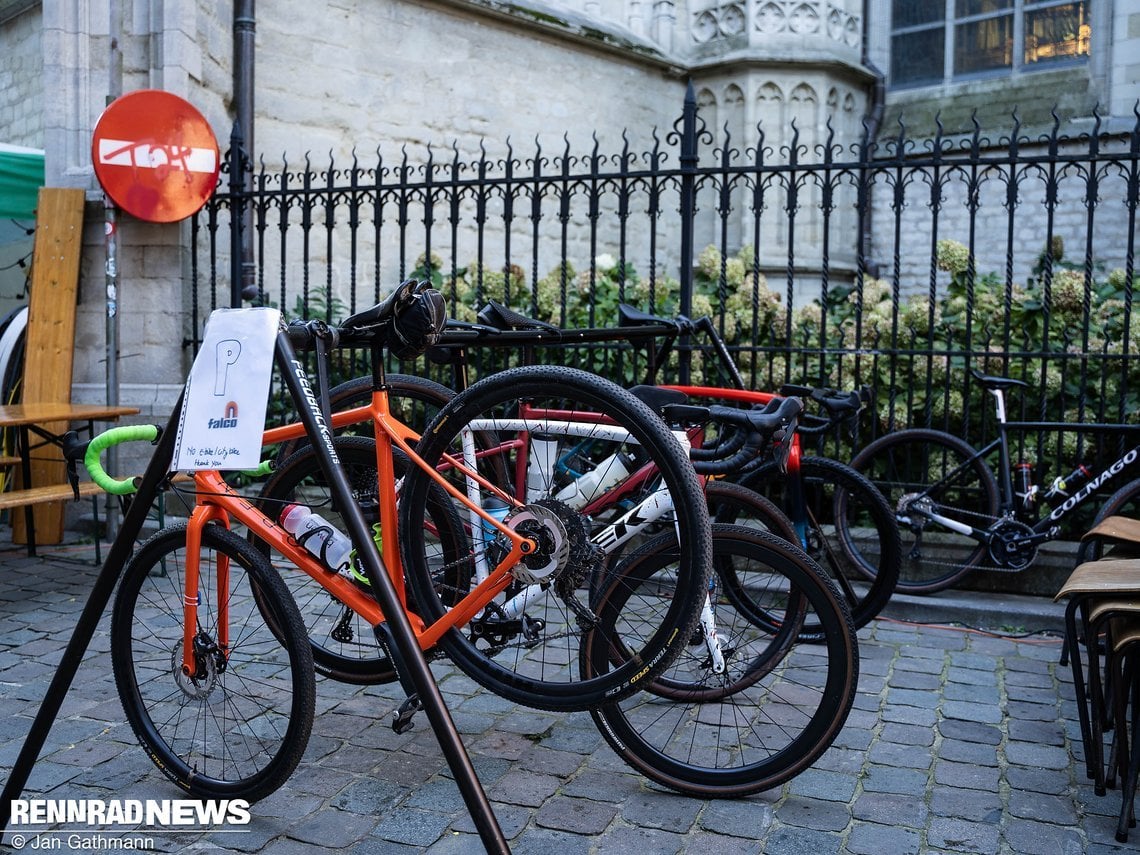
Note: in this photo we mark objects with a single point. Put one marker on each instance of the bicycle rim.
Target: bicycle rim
(239, 728)
(922, 471)
(525, 644)
(779, 704)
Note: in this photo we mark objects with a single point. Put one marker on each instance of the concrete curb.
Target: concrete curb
(1010, 613)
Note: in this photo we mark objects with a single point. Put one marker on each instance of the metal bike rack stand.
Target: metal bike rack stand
(415, 673)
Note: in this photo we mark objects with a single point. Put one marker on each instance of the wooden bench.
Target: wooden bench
(51, 493)
(28, 419)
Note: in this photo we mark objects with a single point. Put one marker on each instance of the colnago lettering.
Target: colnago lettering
(1091, 487)
(315, 409)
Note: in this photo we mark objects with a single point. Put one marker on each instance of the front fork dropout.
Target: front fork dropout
(710, 636)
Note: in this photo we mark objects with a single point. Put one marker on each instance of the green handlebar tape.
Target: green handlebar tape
(263, 468)
(114, 436)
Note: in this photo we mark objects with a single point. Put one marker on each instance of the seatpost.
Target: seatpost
(1004, 465)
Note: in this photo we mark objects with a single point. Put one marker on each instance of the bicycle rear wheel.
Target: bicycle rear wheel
(779, 703)
(849, 530)
(582, 454)
(238, 728)
(923, 472)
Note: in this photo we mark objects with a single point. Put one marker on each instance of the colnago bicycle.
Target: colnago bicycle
(955, 515)
(174, 646)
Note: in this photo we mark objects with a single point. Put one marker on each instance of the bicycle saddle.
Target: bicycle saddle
(657, 398)
(990, 381)
(498, 316)
(403, 295)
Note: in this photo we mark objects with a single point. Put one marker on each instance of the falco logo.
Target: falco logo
(229, 418)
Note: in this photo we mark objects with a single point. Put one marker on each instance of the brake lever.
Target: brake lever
(73, 451)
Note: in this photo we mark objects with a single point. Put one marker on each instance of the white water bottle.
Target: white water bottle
(581, 491)
(320, 537)
(540, 466)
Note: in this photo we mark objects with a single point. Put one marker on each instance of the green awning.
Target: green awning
(21, 177)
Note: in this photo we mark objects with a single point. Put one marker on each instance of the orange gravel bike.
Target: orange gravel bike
(498, 592)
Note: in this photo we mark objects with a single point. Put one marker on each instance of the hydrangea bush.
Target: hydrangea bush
(910, 349)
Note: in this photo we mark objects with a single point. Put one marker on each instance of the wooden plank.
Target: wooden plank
(50, 493)
(50, 343)
(14, 415)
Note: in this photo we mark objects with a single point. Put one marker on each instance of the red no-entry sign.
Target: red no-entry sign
(155, 156)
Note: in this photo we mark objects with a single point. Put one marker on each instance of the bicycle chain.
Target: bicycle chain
(990, 521)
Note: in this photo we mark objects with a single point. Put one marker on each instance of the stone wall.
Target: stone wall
(21, 69)
(1125, 74)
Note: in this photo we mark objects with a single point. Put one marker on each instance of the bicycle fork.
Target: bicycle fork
(196, 642)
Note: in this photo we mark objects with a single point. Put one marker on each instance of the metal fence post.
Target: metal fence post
(687, 140)
(237, 206)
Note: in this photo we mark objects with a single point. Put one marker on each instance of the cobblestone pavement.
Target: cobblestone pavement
(960, 741)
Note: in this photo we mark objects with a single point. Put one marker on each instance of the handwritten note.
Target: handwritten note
(223, 414)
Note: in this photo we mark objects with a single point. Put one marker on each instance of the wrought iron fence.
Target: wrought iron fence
(896, 263)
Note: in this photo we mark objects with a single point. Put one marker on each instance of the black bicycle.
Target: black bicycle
(955, 514)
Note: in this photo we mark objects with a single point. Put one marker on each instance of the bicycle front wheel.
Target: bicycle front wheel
(848, 529)
(924, 472)
(585, 467)
(779, 702)
(238, 728)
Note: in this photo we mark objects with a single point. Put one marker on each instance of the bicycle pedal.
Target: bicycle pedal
(402, 718)
(532, 631)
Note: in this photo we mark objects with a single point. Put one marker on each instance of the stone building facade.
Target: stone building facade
(351, 76)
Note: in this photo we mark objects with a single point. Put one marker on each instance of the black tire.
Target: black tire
(735, 504)
(850, 531)
(938, 470)
(531, 658)
(344, 646)
(240, 730)
(778, 706)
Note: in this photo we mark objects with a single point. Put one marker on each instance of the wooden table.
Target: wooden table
(46, 484)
